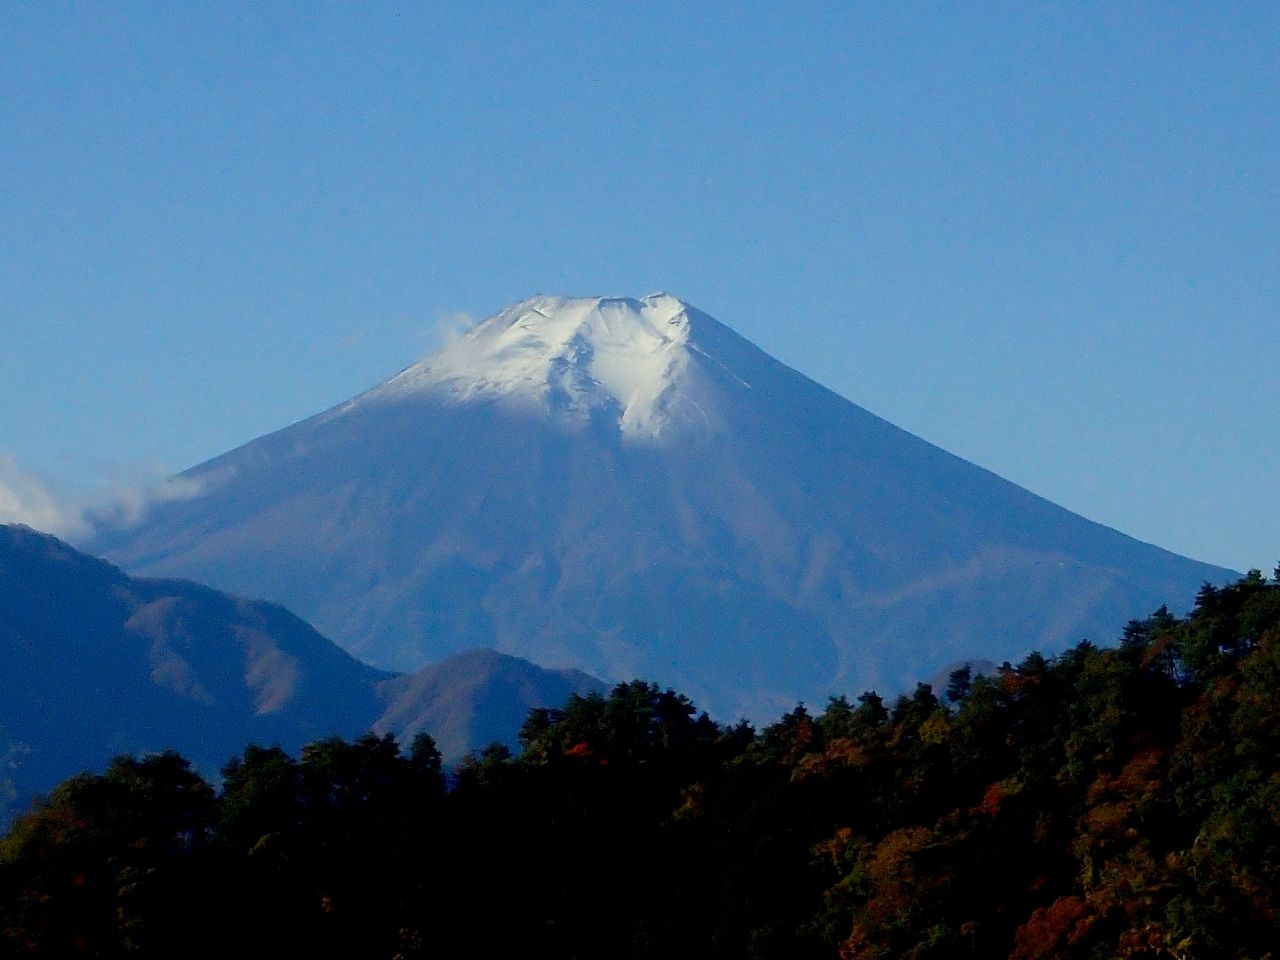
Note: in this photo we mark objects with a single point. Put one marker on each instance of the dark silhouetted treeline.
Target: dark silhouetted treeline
(1116, 802)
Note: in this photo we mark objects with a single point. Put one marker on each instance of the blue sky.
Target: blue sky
(1044, 237)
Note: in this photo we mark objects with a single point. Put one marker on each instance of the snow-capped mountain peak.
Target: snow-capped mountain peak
(577, 359)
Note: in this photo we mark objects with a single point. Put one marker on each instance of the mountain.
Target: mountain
(630, 488)
(475, 698)
(98, 663)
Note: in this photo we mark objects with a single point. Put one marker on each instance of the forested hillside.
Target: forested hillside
(1120, 802)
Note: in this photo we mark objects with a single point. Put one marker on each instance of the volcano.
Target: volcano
(629, 488)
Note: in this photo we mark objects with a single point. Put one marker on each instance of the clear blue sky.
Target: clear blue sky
(1043, 236)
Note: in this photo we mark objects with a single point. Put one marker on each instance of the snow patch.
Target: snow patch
(576, 359)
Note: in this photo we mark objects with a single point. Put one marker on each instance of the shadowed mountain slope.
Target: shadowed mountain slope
(98, 663)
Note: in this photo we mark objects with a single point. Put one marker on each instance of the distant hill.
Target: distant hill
(630, 488)
(475, 698)
(97, 663)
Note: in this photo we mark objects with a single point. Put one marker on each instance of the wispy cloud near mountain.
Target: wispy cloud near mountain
(39, 503)
(28, 499)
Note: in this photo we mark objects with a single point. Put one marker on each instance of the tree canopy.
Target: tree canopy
(1105, 802)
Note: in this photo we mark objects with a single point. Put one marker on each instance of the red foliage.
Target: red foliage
(992, 799)
(1052, 929)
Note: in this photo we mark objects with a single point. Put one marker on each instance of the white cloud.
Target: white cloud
(29, 499)
(124, 505)
(25, 498)
(450, 326)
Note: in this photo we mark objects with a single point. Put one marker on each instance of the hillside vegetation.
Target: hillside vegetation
(1120, 802)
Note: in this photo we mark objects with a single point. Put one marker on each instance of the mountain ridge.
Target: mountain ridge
(99, 663)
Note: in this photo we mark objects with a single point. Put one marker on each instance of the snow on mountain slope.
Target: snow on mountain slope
(630, 488)
(579, 358)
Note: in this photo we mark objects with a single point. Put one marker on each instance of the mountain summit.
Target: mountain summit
(630, 361)
(630, 488)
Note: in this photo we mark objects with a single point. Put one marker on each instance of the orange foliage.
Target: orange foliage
(840, 753)
(994, 797)
(1147, 942)
(1052, 929)
(892, 873)
(1140, 778)
(836, 847)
